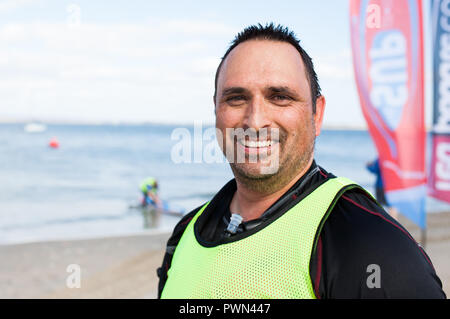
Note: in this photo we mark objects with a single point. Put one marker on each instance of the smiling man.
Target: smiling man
(293, 230)
(262, 85)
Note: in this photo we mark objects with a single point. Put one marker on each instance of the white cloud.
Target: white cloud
(334, 71)
(335, 65)
(99, 72)
(199, 28)
(10, 5)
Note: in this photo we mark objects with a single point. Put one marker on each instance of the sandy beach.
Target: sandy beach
(125, 267)
(115, 267)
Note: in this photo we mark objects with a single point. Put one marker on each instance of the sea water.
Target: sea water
(85, 187)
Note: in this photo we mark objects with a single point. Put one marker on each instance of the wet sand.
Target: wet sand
(125, 267)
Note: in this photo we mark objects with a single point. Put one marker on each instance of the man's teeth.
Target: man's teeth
(256, 143)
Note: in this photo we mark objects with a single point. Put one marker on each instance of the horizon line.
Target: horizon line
(137, 123)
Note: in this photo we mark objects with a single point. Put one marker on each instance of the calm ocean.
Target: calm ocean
(84, 188)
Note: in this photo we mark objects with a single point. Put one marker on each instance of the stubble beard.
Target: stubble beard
(288, 168)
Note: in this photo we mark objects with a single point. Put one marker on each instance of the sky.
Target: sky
(138, 61)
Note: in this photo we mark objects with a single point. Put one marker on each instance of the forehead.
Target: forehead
(263, 63)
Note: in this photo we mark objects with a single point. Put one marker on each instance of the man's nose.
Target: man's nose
(257, 115)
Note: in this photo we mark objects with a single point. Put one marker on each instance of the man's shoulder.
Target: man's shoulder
(360, 237)
(363, 222)
(182, 224)
(170, 247)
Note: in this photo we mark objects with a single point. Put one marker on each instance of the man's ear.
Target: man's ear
(214, 102)
(318, 116)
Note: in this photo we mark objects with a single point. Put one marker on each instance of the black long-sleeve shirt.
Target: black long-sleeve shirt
(358, 242)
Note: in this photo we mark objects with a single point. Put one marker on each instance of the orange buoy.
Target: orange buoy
(53, 143)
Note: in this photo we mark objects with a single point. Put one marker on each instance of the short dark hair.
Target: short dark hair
(275, 33)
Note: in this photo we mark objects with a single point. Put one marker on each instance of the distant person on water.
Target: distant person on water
(284, 227)
(149, 188)
(374, 168)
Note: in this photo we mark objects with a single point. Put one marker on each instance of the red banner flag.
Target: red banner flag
(388, 63)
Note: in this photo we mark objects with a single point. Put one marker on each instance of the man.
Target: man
(304, 233)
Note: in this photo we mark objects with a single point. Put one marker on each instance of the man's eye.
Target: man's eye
(281, 97)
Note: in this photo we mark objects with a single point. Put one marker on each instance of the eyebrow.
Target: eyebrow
(234, 90)
(282, 89)
(273, 89)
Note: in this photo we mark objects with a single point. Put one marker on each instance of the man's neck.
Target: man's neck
(251, 204)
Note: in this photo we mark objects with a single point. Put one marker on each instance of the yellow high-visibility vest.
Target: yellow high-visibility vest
(273, 262)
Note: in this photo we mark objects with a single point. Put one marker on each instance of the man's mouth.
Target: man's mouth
(251, 145)
(256, 143)
(260, 148)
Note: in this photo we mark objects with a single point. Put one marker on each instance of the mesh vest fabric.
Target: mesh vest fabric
(271, 263)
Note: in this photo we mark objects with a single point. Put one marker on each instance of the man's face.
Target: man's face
(262, 85)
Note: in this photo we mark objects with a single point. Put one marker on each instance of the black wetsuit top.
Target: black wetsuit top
(357, 235)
